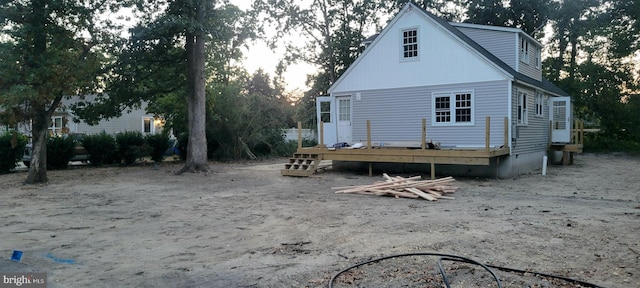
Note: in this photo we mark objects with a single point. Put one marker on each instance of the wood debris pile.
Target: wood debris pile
(411, 187)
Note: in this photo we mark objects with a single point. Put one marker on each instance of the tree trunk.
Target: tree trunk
(40, 116)
(196, 98)
(38, 167)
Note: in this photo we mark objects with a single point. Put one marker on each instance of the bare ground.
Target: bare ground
(244, 225)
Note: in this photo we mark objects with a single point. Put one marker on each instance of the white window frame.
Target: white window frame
(538, 57)
(452, 111)
(325, 112)
(152, 126)
(414, 54)
(539, 104)
(54, 130)
(522, 115)
(344, 109)
(524, 50)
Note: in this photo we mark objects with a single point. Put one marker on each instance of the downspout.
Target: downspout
(509, 115)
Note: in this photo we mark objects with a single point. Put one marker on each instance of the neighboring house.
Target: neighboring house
(131, 120)
(453, 75)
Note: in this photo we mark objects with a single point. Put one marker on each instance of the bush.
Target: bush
(599, 142)
(60, 150)
(102, 149)
(158, 144)
(183, 141)
(131, 146)
(12, 147)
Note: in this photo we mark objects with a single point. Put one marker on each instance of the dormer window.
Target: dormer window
(538, 59)
(410, 44)
(524, 50)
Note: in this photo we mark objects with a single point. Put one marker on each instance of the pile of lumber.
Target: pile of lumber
(411, 187)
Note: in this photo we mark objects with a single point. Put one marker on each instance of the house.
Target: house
(455, 76)
(131, 120)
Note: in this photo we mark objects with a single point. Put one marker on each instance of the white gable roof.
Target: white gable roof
(444, 58)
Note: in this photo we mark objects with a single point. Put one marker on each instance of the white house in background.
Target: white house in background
(453, 75)
(133, 120)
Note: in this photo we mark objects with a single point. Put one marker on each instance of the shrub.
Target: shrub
(183, 141)
(12, 147)
(158, 144)
(102, 149)
(131, 146)
(59, 151)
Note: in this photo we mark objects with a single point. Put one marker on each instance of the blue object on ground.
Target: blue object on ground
(60, 260)
(16, 256)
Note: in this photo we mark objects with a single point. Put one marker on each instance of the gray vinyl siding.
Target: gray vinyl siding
(534, 136)
(502, 44)
(528, 68)
(396, 114)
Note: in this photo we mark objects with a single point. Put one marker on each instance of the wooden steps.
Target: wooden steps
(301, 165)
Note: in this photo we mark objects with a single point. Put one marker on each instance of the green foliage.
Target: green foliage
(12, 147)
(60, 150)
(131, 146)
(158, 143)
(102, 149)
(599, 142)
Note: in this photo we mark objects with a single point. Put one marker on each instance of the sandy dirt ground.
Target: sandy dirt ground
(245, 225)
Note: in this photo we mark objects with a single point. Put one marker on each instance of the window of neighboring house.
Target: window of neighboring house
(344, 110)
(410, 44)
(538, 57)
(538, 103)
(147, 125)
(452, 108)
(522, 109)
(524, 50)
(56, 126)
(325, 112)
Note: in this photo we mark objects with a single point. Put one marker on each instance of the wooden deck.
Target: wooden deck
(303, 161)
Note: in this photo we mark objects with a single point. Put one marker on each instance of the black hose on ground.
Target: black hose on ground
(455, 258)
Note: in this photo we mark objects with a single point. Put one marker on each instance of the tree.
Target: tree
(334, 29)
(51, 50)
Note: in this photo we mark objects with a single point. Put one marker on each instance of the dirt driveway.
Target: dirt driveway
(244, 225)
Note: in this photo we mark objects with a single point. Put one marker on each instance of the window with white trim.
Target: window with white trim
(539, 100)
(410, 44)
(325, 112)
(344, 110)
(147, 125)
(524, 50)
(538, 58)
(55, 129)
(452, 108)
(522, 117)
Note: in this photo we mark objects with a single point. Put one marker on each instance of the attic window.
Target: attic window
(410, 43)
(452, 108)
(524, 50)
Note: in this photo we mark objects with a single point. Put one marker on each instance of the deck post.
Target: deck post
(433, 169)
(368, 134)
(550, 129)
(581, 132)
(299, 134)
(488, 134)
(370, 169)
(506, 132)
(424, 133)
(321, 135)
(575, 132)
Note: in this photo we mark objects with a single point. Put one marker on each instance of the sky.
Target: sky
(259, 55)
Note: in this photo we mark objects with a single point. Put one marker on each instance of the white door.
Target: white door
(344, 118)
(560, 112)
(326, 119)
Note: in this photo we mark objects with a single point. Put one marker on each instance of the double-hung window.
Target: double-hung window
(452, 108)
(410, 44)
(55, 129)
(524, 50)
(538, 58)
(539, 100)
(522, 117)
